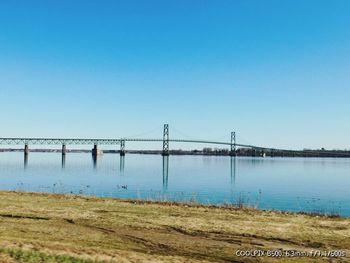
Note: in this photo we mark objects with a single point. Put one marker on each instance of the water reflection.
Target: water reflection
(232, 177)
(63, 161)
(165, 166)
(122, 164)
(94, 160)
(233, 170)
(165, 172)
(25, 161)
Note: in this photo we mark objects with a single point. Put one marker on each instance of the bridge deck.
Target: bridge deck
(49, 141)
(61, 141)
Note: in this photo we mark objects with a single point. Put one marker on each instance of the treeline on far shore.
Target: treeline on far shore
(266, 152)
(217, 152)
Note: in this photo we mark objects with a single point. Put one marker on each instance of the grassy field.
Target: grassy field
(64, 228)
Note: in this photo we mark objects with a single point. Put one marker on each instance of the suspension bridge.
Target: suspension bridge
(166, 140)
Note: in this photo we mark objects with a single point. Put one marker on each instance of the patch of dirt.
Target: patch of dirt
(24, 217)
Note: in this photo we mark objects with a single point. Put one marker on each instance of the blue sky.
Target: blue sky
(277, 72)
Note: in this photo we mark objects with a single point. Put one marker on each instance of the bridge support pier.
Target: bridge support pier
(166, 140)
(122, 148)
(26, 149)
(253, 152)
(64, 149)
(95, 151)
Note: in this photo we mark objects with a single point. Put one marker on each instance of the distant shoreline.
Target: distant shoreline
(220, 152)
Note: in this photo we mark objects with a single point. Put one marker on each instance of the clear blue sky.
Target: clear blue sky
(277, 72)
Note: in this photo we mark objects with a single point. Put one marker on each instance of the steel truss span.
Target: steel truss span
(47, 141)
(51, 141)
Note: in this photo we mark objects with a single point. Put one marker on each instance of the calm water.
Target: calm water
(293, 184)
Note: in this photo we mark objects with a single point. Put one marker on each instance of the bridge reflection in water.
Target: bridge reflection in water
(122, 164)
(63, 161)
(94, 161)
(165, 172)
(233, 169)
(165, 167)
(25, 161)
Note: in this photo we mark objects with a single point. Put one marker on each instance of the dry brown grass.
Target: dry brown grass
(65, 228)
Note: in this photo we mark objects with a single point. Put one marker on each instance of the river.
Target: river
(314, 185)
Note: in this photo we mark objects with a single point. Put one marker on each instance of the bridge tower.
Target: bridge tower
(166, 140)
(233, 144)
(122, 147)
